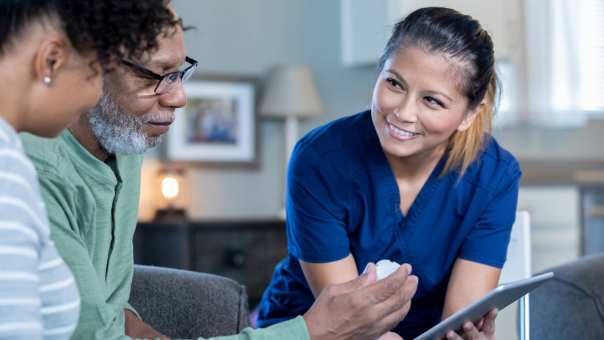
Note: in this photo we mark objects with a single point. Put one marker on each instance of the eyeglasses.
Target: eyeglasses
(165, 82)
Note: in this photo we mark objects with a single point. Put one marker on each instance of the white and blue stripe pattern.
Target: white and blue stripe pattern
(39, 298)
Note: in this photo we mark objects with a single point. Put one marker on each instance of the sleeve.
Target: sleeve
(98, 319)
(22, 224)
(20, 246)
(130, 308)
(316, 208)
(294, 329)
(487, 242)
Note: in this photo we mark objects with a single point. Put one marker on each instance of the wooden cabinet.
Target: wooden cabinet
(245, 251)
(367, 24)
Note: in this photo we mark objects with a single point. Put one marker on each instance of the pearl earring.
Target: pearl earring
(47, 80)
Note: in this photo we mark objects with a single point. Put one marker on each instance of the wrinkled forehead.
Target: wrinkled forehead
(170, 53)
(168, 57)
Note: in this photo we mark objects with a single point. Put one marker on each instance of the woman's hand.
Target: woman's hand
(483, 330)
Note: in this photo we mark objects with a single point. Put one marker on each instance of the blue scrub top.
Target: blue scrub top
(342, 199)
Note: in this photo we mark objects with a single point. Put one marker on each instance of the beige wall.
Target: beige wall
(246, 37)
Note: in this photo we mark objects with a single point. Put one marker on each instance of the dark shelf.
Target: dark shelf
(243, 250)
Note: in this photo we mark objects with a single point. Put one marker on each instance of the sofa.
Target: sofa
(571, 305)
(185, 304)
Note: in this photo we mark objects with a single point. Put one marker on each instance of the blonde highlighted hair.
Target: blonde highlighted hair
(465, 146)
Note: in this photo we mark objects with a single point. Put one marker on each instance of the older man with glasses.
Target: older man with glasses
(90, 179)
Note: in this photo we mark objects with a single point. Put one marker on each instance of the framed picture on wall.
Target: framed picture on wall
(216, 125)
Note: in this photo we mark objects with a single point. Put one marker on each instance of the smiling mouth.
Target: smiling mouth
(400, 133)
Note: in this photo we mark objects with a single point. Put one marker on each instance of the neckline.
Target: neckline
(96, 169)
(385, 172)
(422, 196)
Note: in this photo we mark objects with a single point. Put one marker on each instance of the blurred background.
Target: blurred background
(271, 70)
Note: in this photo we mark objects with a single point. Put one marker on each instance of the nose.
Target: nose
(407, 110)
(175, 97)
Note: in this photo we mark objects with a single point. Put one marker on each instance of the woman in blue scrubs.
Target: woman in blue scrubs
(417, 179)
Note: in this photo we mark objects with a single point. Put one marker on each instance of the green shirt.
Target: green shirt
(93, 209)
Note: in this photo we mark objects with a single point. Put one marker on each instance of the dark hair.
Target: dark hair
(114, 29)
(460, 38)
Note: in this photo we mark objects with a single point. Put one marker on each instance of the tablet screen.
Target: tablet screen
(499, 298)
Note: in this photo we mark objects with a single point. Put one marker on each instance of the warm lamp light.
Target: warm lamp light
(170, 189)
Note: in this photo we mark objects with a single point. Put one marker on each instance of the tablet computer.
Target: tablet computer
(499, 298)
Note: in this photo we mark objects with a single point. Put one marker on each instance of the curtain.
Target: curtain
(565, 61)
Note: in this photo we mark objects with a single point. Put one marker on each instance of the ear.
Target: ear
(51, 57)
(470, 116)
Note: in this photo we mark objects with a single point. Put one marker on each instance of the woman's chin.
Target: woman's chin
(399, 151)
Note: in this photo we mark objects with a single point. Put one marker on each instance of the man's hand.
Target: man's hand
(390, 336)
(137, 329)
(362, 308)
(483, 330)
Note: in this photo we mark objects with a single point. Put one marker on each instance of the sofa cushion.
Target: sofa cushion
(186, 304)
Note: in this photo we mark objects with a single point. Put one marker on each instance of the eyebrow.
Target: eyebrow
(402, 80)
(397, 76)
(166, 64)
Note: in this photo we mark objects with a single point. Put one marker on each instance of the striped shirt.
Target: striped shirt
(38, 296)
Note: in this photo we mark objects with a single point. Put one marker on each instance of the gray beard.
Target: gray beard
(117, 131)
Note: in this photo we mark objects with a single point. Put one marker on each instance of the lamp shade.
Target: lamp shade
(291, 91)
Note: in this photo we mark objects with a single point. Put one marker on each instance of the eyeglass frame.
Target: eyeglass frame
(148, 73)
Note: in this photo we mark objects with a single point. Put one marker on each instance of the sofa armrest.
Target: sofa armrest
(571, 305)
(186, 304)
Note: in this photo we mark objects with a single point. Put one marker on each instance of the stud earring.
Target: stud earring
(47, 80)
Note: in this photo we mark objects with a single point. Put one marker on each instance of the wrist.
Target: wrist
(312, 328)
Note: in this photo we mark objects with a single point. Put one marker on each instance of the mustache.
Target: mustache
(109, 108)
(154, 117)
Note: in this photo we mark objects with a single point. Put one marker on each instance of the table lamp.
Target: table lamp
(171, 181)
(291, 94)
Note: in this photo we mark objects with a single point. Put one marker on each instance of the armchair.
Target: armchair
(186, 304)
(571, 305)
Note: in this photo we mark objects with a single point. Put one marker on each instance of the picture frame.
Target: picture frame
(217, 125)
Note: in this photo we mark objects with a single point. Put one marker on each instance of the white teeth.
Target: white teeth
(401, 133)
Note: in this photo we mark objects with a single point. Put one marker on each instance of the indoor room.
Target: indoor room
(296, 65)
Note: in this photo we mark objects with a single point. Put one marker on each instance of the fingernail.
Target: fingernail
(366, 268)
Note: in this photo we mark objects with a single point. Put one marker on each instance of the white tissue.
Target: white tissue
(385, 268)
